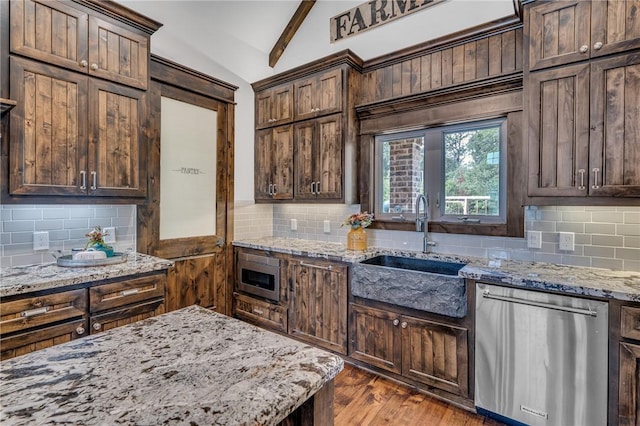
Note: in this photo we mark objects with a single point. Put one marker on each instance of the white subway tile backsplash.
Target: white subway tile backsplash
(66, 225)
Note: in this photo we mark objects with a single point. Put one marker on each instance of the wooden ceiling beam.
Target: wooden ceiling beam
(290, 30)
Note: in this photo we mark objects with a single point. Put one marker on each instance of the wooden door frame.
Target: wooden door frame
(187, 85)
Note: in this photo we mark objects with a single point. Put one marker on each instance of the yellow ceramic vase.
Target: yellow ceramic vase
(357, 239)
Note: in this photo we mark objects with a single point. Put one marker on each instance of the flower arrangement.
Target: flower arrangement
(96, 238)
(358, 220)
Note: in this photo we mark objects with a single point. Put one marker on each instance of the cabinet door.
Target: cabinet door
(282, 151)
(49, 31)
(375, 338)
(615, 26)
(318, 309)
(274, 106)
(559, 131)
(116, 119)
(318, 95)
(615, 127)
(435, 354)
(31, 341)
(263, 167)
(127, 315)
(304, 141)
(118, 54)
(559, 33)
(628, 402)
(328, 158)
(48, 130)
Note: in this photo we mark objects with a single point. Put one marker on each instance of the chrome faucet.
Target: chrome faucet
(422, 222)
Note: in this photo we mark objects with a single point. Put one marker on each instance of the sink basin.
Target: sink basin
(424, 284)
(413, 264)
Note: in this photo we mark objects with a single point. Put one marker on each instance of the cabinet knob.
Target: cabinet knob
(83, 63)
(396, 322)
(80, 330)
(97, 326)
(584, 48)
(598, 45)
(94, 67)
(404, 324)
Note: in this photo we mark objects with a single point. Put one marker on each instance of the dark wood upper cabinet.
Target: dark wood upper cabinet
(318, 95)
(318, 158)
(569, 31)
(274, 164)
(274, 106)
(60, 34)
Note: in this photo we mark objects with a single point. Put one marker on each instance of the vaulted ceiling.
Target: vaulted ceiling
(239, 34)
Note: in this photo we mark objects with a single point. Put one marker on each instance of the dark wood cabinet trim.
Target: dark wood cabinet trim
(123, 14)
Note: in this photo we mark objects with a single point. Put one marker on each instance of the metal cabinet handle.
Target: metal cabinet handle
(404, 324)
(584, 48)
(33, 312)
(83, 63)
(95, 67)
(396, 322)
(582, 172)
(324, 268)
(130, 292)
(269, 189)
(313, 187)
(595, 178)
(80, 330)
(97, 326)
(258, 311)
(94, 180)
(598, 45)
(275, 189)
(317, 187)
(83, 179)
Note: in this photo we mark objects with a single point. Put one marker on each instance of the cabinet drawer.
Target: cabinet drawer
(630, 322)
(119, 317)
(36, 311)
(260, 312)
(108, 296)
(31, 341)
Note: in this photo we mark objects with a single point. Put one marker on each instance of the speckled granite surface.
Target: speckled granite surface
(27, 279)
(542, 276)
(190, 366)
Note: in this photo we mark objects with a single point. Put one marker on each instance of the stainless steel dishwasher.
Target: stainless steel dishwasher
(540, 358)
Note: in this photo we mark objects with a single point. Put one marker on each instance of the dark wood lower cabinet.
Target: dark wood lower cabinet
(39, 320)
(628, 404)
(425, 351)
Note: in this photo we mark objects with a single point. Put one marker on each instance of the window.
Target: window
(460, 168)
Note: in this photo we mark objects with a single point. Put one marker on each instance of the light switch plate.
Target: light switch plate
(294, 224)
(41, 240)
(534, 239)
(327, 226)
(111, 237)
(567, 241)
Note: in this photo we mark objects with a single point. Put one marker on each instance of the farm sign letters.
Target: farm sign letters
(373, 14)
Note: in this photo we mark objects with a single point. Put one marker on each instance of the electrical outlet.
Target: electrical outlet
(110, 234)
(41, 240)
(294, 224)
(327, 226)
(567, 241)
(534, 239)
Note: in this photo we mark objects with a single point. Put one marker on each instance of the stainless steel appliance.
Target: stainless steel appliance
(541, 359)
(258, 276)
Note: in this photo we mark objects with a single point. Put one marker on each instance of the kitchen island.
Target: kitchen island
(190, 366)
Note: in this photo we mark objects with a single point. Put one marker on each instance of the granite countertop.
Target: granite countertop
(622, 285)
(30, 278)
(190, 366)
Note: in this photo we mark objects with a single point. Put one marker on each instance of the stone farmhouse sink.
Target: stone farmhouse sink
(424, 284)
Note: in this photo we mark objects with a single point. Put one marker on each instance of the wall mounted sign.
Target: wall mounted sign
(188, 144)
(373, 14)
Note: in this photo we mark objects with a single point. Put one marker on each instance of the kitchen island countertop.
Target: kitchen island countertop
(190, 366)
(574, 280)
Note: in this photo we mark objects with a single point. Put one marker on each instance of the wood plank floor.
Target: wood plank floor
(362, 399)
